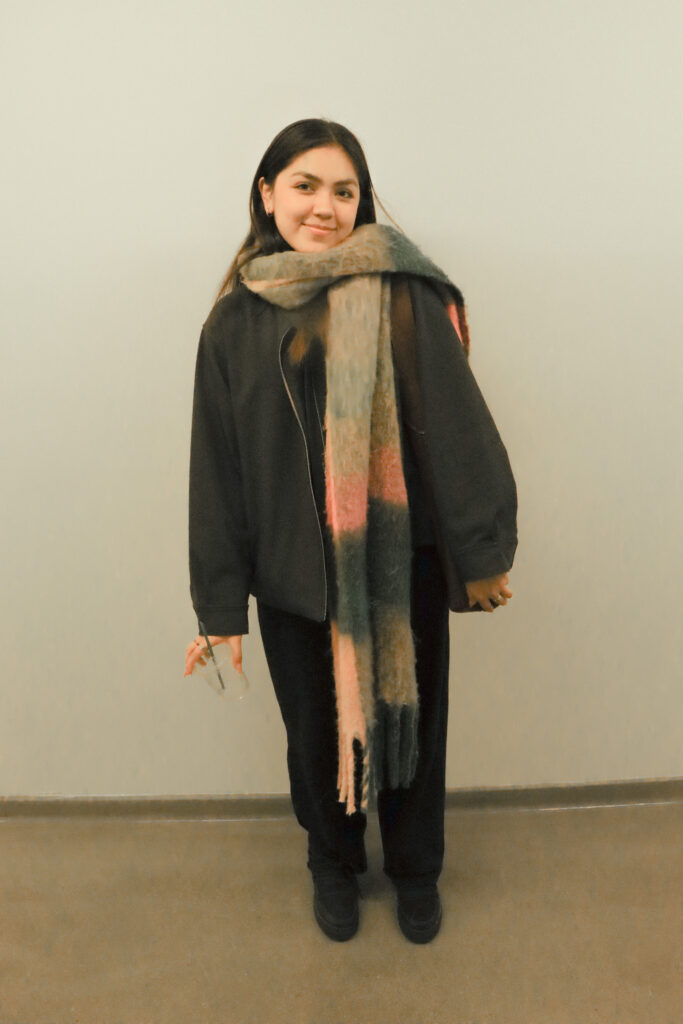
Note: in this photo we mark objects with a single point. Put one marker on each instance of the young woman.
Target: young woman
(346, 471)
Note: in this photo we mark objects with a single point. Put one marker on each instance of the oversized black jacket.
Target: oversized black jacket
(256, 495)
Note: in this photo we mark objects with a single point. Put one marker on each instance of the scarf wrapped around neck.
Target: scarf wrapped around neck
(366, 499)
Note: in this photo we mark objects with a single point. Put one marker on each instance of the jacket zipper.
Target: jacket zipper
(308, 465)
(320, 423)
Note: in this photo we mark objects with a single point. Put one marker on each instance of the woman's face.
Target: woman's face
(318, 189)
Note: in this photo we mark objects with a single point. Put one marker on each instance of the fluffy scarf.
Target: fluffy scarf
(366, 500)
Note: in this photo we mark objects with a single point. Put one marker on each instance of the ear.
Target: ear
(265, 190)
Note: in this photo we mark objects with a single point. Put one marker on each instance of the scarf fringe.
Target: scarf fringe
(389, 759)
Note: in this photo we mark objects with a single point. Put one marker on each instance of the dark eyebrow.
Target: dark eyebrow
(313, 177)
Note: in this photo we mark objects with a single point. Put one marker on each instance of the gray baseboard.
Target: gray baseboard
(280, 806)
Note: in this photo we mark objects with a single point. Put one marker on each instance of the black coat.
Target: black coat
(256, 499)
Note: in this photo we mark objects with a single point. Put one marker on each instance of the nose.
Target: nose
(323, 205)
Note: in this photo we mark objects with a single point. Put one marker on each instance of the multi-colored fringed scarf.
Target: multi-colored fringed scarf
(366, 498)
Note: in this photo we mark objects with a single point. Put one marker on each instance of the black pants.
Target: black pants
(299, 655)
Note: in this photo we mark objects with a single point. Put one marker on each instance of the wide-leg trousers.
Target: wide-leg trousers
(299, 655)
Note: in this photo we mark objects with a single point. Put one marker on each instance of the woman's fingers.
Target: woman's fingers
(490, 594)
(236, 646)
(503, 596)
(193, 654)
(499, 588)
(196, 651)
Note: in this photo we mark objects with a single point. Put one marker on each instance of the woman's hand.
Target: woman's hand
(196, 651)
(489, 593)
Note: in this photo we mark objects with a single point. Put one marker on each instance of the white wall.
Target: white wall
(532, 150)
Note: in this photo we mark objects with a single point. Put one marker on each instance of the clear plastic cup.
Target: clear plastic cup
(221, 675)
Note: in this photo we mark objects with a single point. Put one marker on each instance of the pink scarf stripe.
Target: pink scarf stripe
(386, 476)
(346, 499)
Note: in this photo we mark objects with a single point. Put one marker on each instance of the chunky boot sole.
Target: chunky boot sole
(419, 915)
(335, 906)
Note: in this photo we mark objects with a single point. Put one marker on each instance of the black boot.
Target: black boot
(419, 911)
(335, 901)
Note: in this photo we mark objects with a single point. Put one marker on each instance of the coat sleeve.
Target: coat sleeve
(472, 480)
(219, 550)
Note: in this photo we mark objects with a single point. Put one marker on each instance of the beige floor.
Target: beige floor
(568, 916)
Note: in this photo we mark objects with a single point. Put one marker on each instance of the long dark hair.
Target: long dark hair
(298, 137)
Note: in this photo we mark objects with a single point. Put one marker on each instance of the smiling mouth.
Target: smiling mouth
(315, 227)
